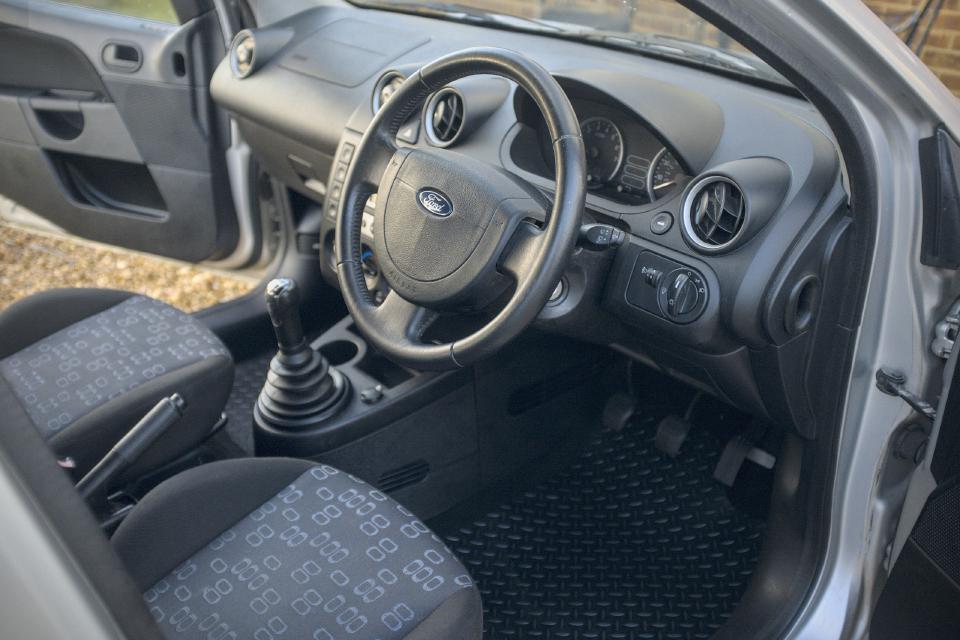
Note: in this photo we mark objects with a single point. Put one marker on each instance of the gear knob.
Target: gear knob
(302, 389)
(283, 305)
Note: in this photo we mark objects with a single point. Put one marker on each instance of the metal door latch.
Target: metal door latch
(945, 333)
(892, 383)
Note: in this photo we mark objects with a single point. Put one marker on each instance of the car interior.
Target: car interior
(553, 344)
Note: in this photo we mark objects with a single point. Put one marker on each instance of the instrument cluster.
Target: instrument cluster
(626, 161)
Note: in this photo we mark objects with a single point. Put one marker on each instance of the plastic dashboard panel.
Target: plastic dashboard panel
(739, 346)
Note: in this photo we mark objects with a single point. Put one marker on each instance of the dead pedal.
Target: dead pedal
(738, 450)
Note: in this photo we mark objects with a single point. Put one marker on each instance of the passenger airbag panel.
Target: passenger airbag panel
(332, 54)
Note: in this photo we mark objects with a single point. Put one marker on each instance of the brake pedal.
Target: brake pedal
(618, 410)
(738, 450)
(672, 432)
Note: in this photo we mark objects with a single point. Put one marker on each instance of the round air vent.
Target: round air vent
(251, 49)
(714, 213)
(444, 117)
(242, 54)
(386, 86)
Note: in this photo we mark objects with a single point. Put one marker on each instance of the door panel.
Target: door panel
(107, 128)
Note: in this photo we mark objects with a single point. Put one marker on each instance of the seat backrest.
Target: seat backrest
(25, 456)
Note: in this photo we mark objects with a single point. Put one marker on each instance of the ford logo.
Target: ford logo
(435, 202)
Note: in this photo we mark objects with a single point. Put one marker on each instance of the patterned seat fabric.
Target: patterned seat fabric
(327, 557)
(67, 375)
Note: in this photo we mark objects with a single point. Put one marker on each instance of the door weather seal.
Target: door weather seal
(893, 383)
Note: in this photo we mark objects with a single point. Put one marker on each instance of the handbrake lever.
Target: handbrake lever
(131, 446)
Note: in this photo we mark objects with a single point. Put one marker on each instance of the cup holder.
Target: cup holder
(339, 352)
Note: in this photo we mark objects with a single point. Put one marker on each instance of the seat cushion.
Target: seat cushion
(280, 548)
(104, 359)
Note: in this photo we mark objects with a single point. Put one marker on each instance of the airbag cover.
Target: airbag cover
(442, 222)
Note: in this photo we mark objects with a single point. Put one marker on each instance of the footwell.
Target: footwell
(622, 542)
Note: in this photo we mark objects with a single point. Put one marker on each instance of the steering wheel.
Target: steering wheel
(453, 233)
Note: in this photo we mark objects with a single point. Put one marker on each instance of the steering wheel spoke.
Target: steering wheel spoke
(521, 252)
(403, 320)
(373, 162)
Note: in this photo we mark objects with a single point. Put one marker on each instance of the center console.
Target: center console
(430, 439)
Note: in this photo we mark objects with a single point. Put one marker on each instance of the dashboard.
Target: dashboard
(730, 194)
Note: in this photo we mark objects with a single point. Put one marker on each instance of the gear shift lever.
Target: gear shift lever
(301, 390)
(283, 305)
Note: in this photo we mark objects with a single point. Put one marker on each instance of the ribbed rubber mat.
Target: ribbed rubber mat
(621, 543)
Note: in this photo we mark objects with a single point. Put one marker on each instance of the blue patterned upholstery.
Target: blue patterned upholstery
(66, 375)
(328, 557)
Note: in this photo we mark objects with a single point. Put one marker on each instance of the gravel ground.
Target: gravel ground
(32, 261)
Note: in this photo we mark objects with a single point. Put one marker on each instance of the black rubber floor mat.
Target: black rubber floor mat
(621, 543)
(248, 380)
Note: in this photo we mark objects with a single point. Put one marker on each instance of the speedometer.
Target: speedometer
(604, 144)
(665, 174)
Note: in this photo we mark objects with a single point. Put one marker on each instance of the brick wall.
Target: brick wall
(941, 53)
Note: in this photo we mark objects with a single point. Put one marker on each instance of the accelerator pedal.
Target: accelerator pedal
(738, 450)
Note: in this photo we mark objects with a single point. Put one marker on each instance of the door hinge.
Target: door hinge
(893, 383)
(945, 333)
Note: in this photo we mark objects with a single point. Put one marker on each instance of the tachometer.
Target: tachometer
(665, 174)
(604, 144)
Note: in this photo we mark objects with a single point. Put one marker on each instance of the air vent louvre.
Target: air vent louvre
(404, 476)
(242, 54)
(715, 213)
(386, 86)
(445, 117)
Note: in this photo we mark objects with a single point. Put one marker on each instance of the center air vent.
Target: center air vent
(444, 119)
(386, 86)
(714, 213)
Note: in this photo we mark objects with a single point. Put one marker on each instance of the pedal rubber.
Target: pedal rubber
(728, 466)
(671, 434)
(618, 410)
(738, 451)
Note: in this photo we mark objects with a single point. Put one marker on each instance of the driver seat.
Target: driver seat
(265, 548)
(278, 547)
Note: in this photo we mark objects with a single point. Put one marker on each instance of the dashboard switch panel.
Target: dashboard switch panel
(682, 295)
(667, 288)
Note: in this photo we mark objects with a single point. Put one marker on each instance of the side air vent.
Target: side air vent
(253, 48)
(444, 117)
(404, 476)
(714, 213)
(243, 54)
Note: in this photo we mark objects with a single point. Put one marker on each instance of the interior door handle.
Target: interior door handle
(125, 57)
